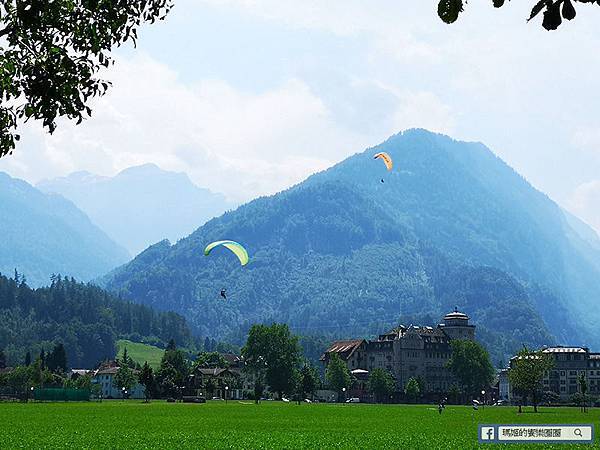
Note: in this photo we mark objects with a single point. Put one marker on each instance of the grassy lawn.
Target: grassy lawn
(141, 352)
(118, 424)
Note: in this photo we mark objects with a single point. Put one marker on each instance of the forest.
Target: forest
(84, 318)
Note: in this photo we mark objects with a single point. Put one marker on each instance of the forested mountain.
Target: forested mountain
(141, 205)
(86, 319)
(44, 234)
(345, 254)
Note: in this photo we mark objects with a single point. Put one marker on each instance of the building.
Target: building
(504, 390)
(408, 352)
(211, 382)
(562, 379)
(104, 377)
(217, 382)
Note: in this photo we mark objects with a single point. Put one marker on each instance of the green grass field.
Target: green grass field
(132, 424)
(141, 352)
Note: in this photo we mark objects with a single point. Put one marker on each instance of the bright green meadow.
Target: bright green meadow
(133, 424)
(141, 352)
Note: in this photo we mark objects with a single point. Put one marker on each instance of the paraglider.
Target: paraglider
(235, 247)
(387, 160)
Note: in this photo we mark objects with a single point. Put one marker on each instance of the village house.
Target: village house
(104, 377)
(419, 352)
(229, 382)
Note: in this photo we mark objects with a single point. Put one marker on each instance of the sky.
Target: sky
(249, 97)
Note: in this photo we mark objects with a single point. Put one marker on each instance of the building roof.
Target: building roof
(456, 314)
(564, 350)
(359, 371)
(107, 371)
(214, 372)
(344, 347)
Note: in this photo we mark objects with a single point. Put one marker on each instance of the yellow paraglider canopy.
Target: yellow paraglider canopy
(235, 247)
(387, 159)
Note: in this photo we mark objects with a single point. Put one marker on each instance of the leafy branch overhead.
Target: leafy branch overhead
(51, 52)
(554, 10)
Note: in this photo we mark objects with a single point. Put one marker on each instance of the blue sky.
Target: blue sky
(249, 97)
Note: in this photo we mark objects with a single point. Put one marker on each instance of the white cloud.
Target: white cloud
(241, 144)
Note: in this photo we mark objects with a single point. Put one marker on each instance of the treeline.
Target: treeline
(84, 318)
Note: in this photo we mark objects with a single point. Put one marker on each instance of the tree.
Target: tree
(210, 387)
(550, 398)
(471, 365)
(56, 361)
(526, 372)
(171, 345)
(583, 388)
(84, 382)
(19, 379)
(381, 384)
(211, 360)
(337, 375)
(28, 358)
(2, 360)
(554, 10)
(308, 381)
(146, 379)
(52, 52)
(124, 379)
(454, 394)
(173, 372)
(280, 354)
(412, 389)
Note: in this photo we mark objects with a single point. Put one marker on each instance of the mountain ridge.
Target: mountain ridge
(46, 234)
(141, 205)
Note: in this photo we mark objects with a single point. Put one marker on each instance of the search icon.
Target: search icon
(577, 432)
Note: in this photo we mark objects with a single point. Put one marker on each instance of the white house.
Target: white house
(105, 376)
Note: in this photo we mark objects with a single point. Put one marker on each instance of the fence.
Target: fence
(61, 395)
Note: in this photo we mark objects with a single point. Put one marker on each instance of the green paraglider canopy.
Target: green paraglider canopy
(235, 247)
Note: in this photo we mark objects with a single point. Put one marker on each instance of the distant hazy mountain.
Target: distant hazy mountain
(345, 254)
(141, 205)
(45, 234)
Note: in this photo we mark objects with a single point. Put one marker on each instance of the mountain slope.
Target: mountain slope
(336, 256)
(45, 234)
(140, 205)
(466, 202)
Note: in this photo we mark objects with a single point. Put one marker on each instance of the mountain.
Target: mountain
(45, 234)
(344, 254)
(141, 205)
(84, 318)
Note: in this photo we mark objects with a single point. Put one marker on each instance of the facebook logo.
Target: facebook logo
(487, 433)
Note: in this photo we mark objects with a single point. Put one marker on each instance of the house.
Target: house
(217, 382)
(104, 376)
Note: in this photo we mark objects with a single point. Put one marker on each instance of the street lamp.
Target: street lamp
(483, 397)
(344, 391)
(226, 389)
